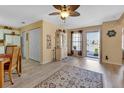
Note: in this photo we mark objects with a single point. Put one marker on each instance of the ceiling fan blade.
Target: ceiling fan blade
(59, 7)
(54, 13)
(73, 7)
(74, 14)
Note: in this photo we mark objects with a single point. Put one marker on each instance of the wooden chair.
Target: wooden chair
(13, 64)
(9, 49)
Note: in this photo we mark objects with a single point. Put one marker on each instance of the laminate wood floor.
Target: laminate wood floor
(33, 72)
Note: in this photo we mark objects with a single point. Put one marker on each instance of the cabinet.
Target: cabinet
(6, 38)
(12, 39)
(61, 44)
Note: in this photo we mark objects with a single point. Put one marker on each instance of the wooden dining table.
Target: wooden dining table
(2, 62)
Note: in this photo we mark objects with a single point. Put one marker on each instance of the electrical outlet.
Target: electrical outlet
(106, 57)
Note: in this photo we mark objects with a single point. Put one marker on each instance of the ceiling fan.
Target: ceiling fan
(66, 11)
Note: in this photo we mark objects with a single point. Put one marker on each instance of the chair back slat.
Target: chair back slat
(15, 56)
(9, 49)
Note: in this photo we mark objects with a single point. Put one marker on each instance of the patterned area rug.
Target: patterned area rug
(73, 77)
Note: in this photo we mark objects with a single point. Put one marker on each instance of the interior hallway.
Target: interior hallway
(33, 73)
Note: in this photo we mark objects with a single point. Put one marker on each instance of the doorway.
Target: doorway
(93, 44)
(31, 45)
(35, 44)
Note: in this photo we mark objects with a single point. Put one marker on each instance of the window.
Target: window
(12, 40)
(76, 41)
(1, 38)
(8, 40)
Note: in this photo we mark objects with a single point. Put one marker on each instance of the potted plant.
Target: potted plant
(74, 47)
(96, 52)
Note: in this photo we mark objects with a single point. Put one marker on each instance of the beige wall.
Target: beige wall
(48, 29)
(111, 47)
(32, 26)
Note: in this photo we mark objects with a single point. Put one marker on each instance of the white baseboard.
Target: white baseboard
(112, 63)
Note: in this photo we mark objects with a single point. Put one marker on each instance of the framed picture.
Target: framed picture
(48, 41)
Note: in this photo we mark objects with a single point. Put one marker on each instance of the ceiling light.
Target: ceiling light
(64, 14)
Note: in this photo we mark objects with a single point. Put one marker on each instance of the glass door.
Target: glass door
(93, 44)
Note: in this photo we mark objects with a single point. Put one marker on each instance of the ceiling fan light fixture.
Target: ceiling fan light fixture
(66, 11)
(64, 14)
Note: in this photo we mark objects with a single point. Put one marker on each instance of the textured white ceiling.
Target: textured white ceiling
(90, 15)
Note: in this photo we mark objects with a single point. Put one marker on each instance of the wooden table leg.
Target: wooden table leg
(1, 75)
(20, 65)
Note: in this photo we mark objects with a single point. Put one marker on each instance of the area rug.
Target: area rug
(72, 77)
